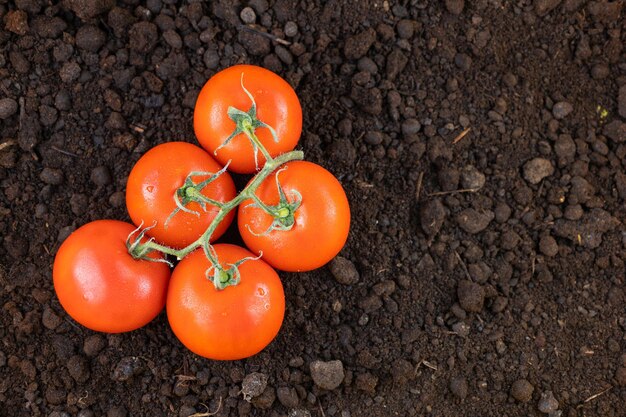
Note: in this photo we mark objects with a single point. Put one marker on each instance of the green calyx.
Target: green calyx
(192, 192)
(223, 278)
(283, 213)
(247, 123)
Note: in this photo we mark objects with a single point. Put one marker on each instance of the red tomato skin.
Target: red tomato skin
(151, 186)
(101, 286)
(277, 106)
(322, 222)
(230, 324)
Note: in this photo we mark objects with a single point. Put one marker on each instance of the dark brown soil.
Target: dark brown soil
(490, 265)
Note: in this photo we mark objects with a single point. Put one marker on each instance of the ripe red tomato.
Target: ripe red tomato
(276, 103)
(155, 179)
(322, 221)
(101, 286)
(229, 324)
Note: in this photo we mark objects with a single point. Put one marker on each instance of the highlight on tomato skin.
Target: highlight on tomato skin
(322, 221)
(277, 105)
(101, 286)
(234, 323)
(153, 183)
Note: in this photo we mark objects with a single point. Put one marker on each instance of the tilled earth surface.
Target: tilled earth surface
(482, 145)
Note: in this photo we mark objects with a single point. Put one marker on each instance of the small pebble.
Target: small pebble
(8, 107)
(127, 368)
(562, 109)
(461, 329)
(472, 178)
(291, 29)
(327, 375)
(522, 390)
(473, 221)
(410, 127)
(52, 176)
(458, 387)
(471, 296)
(69, 72)
(432, 216)
(537, 169)
(344, 271)
(93, 345)
(288, 397)
(253, 385)
(548, 404)
(101, 176)
(548, 246)
(373, 137)
(247, 15)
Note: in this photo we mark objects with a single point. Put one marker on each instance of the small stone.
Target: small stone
(463, 61)
(173, 39)
(78, 368)
(548, 404)
(458, 387)
(402, 371)
(247, 15)
(93, 345)
(537, 169)
(473, 221)
(255, 43)
(50, 320)
(373, 137)
(344, 271)
(253, 385)
(69, 72)
(288, 397)
(51, 176)
(522, 390)
(101, 176)
(471, 296)
(410, 127)
(432, 216)
(396, 62)
(472, 178)
(461, 329)
(562, 109)
(455, 6)
(358, 45)
(90, 38)
(366, 382)
(127, 368)
(405, 28)
(616, 131)
(143, 37)
(291, 29)
(265, 400)
(327, 375)
(548, 246)
(16, 21)
(8, 107)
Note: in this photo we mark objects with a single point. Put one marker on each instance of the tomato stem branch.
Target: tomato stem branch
(247, 193)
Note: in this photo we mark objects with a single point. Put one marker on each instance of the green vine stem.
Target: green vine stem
(141, 250)
(283, 212)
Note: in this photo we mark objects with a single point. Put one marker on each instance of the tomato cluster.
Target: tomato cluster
(223, 301)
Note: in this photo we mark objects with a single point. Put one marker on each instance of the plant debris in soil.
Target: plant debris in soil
(482, 145)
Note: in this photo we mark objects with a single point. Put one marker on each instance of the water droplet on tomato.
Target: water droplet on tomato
(261, 292)
(150, 188)
(267, 306)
